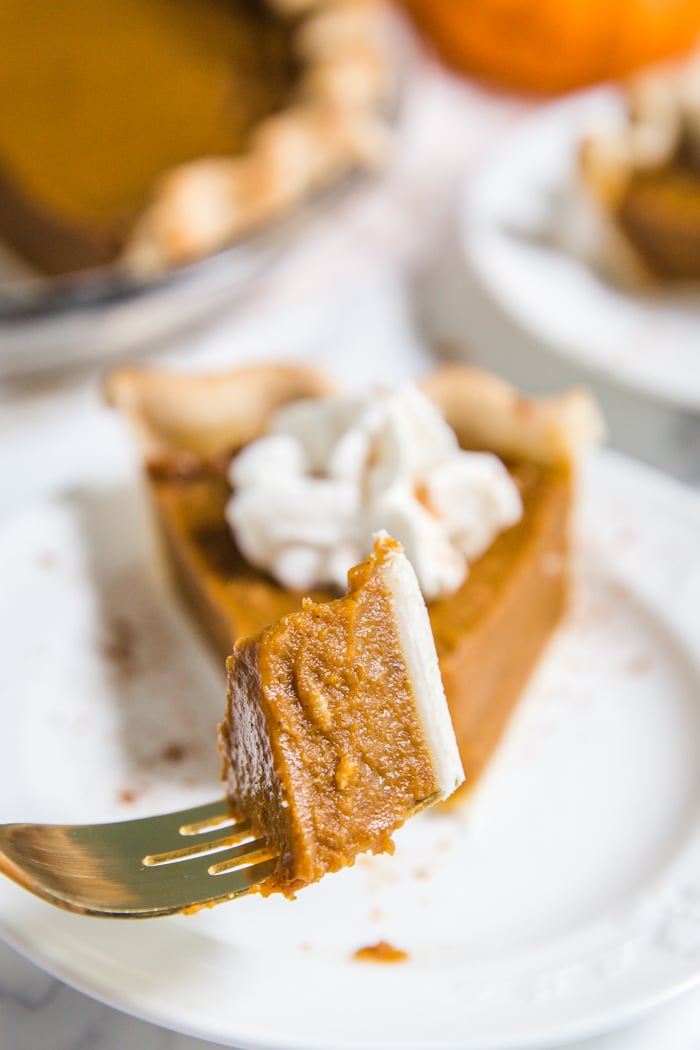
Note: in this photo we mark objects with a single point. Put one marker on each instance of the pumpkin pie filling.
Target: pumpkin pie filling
(489, 634)
(326, 742)
(660, 215)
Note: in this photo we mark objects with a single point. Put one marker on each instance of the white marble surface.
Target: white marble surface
(346, 298)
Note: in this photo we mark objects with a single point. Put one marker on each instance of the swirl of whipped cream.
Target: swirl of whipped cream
(308, 497)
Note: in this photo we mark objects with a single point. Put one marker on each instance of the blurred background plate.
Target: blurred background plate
(514, 248)
(50, 324)
(54, 324)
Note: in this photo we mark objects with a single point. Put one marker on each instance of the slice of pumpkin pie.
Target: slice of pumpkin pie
(640, 180)
(336, 727)
(267, 485)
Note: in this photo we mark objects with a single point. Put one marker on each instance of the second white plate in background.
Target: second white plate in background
(646, 342)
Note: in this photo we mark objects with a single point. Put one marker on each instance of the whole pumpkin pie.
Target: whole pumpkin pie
(336, 726)
(489, 632)
(644, 179)
(152, 133)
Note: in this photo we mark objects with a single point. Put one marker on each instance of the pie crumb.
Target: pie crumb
(381, 952)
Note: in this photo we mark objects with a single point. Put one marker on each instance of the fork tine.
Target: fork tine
(165, 829)
(102, 869)
(176, 836)
(208, 843)
(188, 885)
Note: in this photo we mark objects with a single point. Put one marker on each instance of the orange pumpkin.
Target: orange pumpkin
(555, 45)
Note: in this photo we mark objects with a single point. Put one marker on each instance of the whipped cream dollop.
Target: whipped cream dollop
(308, 497)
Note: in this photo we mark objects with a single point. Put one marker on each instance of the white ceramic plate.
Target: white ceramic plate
(560, 901)
(648, 342)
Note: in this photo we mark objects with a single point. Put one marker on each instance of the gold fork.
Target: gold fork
(138, 868)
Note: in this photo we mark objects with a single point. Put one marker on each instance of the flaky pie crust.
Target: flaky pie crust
(334, 123)
(209, 415)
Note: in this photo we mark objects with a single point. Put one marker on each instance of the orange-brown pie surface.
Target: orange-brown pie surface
(489, 634)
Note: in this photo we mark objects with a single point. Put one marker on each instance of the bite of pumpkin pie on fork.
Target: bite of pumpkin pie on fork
(336, 731)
